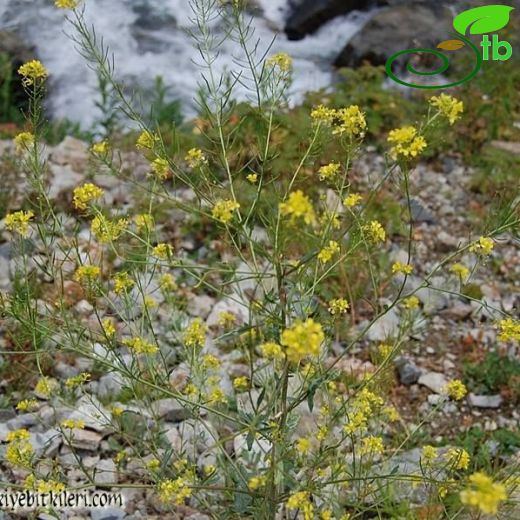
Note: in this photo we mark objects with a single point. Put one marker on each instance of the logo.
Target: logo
(480, 20)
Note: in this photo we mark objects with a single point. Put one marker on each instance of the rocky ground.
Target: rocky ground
(454, 330)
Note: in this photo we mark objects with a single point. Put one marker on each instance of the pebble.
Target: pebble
(485, 401)
(435, 381)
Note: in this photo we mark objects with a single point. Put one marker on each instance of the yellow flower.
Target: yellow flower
(19, 450)
(18, 222)
(398, 267)
(281, 60)
(161, 168)
(352, 200)
(483, 493)
(509, 330)
(301, 501)
(322, 114)
(223, 210)
(84, 377)
(163, 251)
(48, 486)
(328, 171)
(330, 218)
(27, 405)
(195, 334)
(428, 455)
(23, 141)
(456, 389)
(46, 386)
(85, 194)
(87, 273)
(147, 140)
(122, 283)
(375, 231)
(18, 435)
(210, 361)
(448, 106)
(350, 121)
(303, 339)
(143, 221)
(256, 483)
(371, 445)
(195, 158)
(216, 395)
(176, 491)
(461, 271)
(167, 282)
(107, 230)
(226, 318)
(153, 464)
(252, 178)
(73, 423)
(357, 422)
(271, 350)
(391, 413)
(240, 383)
(298, 205)
(66, 4)
(458, 457)
(484, 246)
(100, 148)
(140, 345)
(303, 445)
(338, 306)
(411, 303)
(326, 254)
(117, 411)
(32, 71)
(406, 142)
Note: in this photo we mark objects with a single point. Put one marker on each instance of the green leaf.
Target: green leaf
(482, 20)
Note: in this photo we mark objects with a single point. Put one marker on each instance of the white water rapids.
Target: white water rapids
(149, 38)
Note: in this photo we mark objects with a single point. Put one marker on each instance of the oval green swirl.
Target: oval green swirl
(439, 70)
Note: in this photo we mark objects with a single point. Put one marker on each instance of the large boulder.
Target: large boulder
(396, 28)
(310, 15)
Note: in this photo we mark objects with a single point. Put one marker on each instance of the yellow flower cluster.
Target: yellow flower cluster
(352, 200)
(406, 142)
(19, 450)
(73, 423)
(448, 106)
(428, 455)
(461, 271)
(226, 318)
(338, 306)
(458, 457)
(271, 350)
(411, 303)
(301, 501)
(375, 231)
(108, 328)
(298, 205)
(26, 405)
(23, 141)
(176, 491)
(256, 483)
(32, 71)
(87, 273)
(107, 230)
(350, 121)
(281, 60)
(483, 493)
(329, 171)
(160, 168)
(46, 386)
(143, 221)
(483, 246)
(66, 4)
(509, 330)
(326, 254)
(223, 210)
(241, 383)
(78, 380)
(398, 267)
(140, 345)
(456, 389)
(147, 140)
(122, 282)
(195, 334)
(100, 148)
(303, 445)
(302, 339)
(163, 251)
(167, 282)
(85, 194)
(18, 222)
(371, 445)
(195, 158)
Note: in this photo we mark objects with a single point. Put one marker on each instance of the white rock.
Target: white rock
(200, 305)
(85, 439)
(485, 401)
(435, 381)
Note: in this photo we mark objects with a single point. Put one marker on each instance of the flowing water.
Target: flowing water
(149, 38)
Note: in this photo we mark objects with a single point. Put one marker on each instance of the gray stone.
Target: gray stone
(95, 415)
(85, 439)
(435, 381)
(110, 384)
(200, 305)
(106, 472)
(107, 513)
(409, 372)
(485, 401)
(170, 409)
(385, 327)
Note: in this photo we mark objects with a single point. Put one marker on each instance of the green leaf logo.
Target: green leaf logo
(482, 20)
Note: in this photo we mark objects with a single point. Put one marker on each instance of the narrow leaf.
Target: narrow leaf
(451, 45)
